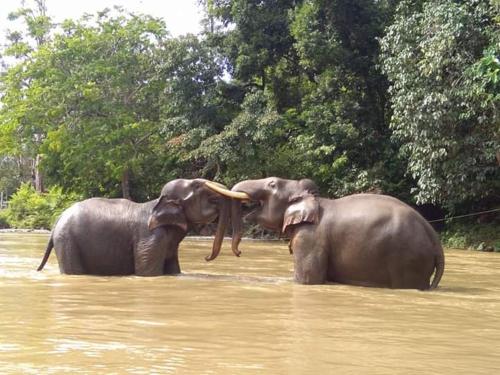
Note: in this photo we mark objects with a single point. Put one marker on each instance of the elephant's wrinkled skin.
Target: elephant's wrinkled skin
(118, 237)
(362, 239)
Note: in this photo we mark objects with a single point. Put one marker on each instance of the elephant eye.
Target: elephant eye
(272, 184)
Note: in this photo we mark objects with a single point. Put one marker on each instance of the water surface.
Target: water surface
(242, 316)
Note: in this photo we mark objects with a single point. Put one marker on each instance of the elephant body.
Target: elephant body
(111, 237)
(101, 236)
(369, 240)
(362, 239)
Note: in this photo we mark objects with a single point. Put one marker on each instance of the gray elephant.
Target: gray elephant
(118, 237)
(362, 239)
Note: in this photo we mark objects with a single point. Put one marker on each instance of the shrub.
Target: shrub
(471, 235)
(4, 223)
(29, 209)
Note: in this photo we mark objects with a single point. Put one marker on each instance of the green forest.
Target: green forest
(393, 97)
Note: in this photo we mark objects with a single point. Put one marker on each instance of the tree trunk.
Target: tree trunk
(126, 183)
(38, 175)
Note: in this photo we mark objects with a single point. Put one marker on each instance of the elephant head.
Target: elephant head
(185, 202)
(276, 204)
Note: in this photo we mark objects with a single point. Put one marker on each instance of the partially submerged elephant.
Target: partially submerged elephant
(362, 239)
(118, 237)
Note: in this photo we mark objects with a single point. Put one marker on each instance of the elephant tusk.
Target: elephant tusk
(217, 184)
(188, 196)
(227, 193)
(213, 182)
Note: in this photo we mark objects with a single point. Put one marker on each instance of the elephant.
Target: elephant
(101, 236)
(369, 240)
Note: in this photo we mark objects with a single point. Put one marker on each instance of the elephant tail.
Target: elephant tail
(50, 246)
(439, 264)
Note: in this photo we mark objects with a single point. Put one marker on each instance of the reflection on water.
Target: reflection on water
(242, 316)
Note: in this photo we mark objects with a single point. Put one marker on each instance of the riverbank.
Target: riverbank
(25, 230)
(472, 236)
(466, 236)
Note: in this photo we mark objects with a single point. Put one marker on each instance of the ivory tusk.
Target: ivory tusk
(218, 184)
(227, 193)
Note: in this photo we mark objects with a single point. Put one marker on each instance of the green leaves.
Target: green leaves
(437, 60)
(89, 100)
(289, 88)
(245, 145)
(29, 209)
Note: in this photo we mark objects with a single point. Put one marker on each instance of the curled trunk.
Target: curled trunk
(221, 229)
(237, 220)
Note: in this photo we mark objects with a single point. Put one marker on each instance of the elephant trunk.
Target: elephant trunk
(237, 221)
(221, 229)
(236, 211)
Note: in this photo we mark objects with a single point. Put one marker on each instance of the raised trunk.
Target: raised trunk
(221, 229)
(237, 220)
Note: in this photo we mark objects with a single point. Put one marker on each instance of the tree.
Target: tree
(247, 147)
(22, 47)
(442, 60)
(346, 140)
(197, 103)
(260, 39)
(93, 93)
(13, 171)
(316, 62)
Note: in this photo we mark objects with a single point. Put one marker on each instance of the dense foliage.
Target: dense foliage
(400, 97)
(29, 209)
(469, 234)
(442, 60)
(13, 171)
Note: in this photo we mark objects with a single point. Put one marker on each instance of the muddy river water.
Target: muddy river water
(242, 316)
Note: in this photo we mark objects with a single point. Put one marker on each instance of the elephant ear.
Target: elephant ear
(168, 212)
(303, 209)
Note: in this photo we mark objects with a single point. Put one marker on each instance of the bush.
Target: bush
(29, 209)
(470, 235)
(4, 223)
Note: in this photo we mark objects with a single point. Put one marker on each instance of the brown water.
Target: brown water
(242, 316)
